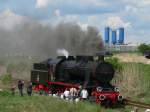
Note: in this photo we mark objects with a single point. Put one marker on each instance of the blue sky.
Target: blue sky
(134, 15)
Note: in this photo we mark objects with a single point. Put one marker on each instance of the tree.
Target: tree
(143, 48)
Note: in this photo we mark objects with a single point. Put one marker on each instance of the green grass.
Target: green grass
(6, 78)
(9, 103)
(16, 103)
(134, 81)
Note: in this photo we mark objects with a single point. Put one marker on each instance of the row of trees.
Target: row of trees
(144, 47)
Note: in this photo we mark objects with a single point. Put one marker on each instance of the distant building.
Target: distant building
(114, 39)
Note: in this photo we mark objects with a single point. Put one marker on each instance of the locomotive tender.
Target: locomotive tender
(90, 72)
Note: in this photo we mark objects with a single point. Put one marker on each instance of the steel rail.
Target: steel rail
(137, 104)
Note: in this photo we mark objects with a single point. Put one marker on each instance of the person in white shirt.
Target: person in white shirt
(66, 94)
(84, 94)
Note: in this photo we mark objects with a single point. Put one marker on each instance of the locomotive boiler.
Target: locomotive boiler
(90, 72)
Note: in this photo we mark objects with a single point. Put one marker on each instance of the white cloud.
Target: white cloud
(95, 2)
(135, 39)
(8, 20)
(93, 20)
(57, 13)
(45, 3)
(138, 3)
(130, 8)
(116, 22)
(83, 2)
(58, 18)
(143, 3)
(42, 3)
(146, 2)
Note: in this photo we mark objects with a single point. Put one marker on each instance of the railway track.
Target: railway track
(137, 104)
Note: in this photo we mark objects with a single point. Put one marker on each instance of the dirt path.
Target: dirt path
(125, 57)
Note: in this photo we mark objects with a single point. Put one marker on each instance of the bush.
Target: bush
(115, 62)
(143, 48)
(6, 78)
(5, 93)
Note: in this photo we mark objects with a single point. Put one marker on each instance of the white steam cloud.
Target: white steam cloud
(63, 52)
(115, 22)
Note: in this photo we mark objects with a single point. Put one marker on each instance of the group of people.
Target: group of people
(21, 88)
(73, 94)
(68, 94)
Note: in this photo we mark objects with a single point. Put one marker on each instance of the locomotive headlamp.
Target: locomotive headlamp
(120, 98)
(102, 97)
(99, 89)
(116, 89)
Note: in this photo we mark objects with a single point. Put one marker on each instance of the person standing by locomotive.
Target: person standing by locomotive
(29, 89)
(73, 93)
(79, 91)
(67, 94)
(84, 94)
(20, 87)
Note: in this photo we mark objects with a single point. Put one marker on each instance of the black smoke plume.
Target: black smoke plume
(35, 39)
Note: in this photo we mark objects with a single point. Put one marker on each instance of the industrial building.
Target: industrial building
(115, 40)
(111, 36)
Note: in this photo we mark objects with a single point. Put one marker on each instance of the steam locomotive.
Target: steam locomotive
(90, 72)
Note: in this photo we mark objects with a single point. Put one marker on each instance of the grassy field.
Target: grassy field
(134, 81)
(9, 103)
(132, 57)
(16, 103)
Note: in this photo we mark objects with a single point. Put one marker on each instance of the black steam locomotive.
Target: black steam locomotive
(90, 72)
